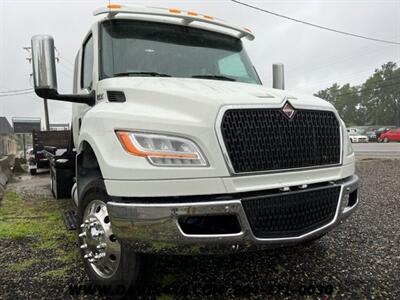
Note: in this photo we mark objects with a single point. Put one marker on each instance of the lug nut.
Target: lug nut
(83, 234)
(101, 246)
(100, 255)
(98, 233)
(84, 246)
(83, 225)
(89, 255)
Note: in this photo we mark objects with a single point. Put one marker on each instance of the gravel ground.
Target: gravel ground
(359, 259)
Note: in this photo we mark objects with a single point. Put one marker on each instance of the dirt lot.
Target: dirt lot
(360, 259)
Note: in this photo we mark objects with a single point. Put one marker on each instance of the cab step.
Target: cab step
(70, 220)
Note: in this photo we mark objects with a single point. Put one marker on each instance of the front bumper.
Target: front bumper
(154, 227)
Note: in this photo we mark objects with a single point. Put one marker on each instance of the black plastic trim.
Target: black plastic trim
(89, 99)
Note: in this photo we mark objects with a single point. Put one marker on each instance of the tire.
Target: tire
(126, 266)
(33, 172)
(386, 140)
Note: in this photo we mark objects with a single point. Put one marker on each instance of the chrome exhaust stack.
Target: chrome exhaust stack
(278, 76)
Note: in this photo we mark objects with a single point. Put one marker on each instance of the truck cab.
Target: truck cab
(182, 150)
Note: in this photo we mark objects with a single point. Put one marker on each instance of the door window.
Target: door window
(87, 64)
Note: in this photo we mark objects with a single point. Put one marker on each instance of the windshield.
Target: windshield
(139, 48)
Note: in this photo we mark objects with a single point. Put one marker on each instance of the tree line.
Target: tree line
(375, 102)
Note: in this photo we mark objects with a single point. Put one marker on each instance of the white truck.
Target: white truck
(182, 150)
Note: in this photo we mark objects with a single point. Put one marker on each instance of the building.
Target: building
(59, 126)
(8, 144)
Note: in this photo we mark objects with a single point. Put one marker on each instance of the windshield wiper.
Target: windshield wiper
(152, 74)
(218, 77)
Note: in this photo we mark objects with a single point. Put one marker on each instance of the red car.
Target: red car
(392, 135)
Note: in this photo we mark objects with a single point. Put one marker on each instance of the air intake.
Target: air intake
(116, 96)
(262, 140)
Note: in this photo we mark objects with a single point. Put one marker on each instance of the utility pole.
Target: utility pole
(45, 104)
(46, 114)
(24, 144)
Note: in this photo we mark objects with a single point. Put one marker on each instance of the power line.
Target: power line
(339, 60)
(316, 25)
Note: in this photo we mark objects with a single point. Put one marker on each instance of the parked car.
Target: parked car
(392, 135)
(36, 160)
(371, 136)
(369, 133)
(382, 130)
(352, 130)
(358, 138)
(29, 153)
(182, 150)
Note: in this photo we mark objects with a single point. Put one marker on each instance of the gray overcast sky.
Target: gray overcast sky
(313, 58)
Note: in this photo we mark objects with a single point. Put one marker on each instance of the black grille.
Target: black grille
(116, 96)
(291, 214)
(265, 139)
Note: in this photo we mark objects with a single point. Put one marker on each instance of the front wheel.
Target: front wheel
(386, 140)
(108, 261)
(33, 172)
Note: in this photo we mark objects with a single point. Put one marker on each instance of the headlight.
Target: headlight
(162, 150)
(347, 142)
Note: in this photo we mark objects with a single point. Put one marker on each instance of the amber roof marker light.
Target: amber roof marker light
(175, 10)
(114, 6)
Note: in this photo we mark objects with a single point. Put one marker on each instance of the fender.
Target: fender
(88, 169)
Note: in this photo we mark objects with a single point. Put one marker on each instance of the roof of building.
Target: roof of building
(5, 126)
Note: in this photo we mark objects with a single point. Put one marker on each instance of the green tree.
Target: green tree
(347, 101)
(376, 101)
(381, 95)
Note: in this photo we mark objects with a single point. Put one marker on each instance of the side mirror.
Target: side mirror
(278, 76)
(44, 72)
(43, 61)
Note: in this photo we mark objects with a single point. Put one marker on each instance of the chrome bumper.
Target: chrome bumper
(154, 228)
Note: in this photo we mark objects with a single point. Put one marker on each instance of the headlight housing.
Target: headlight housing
(346, 142)
(162, 150)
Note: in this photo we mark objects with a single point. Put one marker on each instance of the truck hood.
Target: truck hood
(188, 91)
(188, 108)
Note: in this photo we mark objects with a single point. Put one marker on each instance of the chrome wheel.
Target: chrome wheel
(100, 246)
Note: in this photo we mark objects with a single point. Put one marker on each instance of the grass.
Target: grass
(40, 221)
(67, 257)
(22, 265)
(59, 273)
(164, 297)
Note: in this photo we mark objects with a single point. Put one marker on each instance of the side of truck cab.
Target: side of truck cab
(182, 150)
